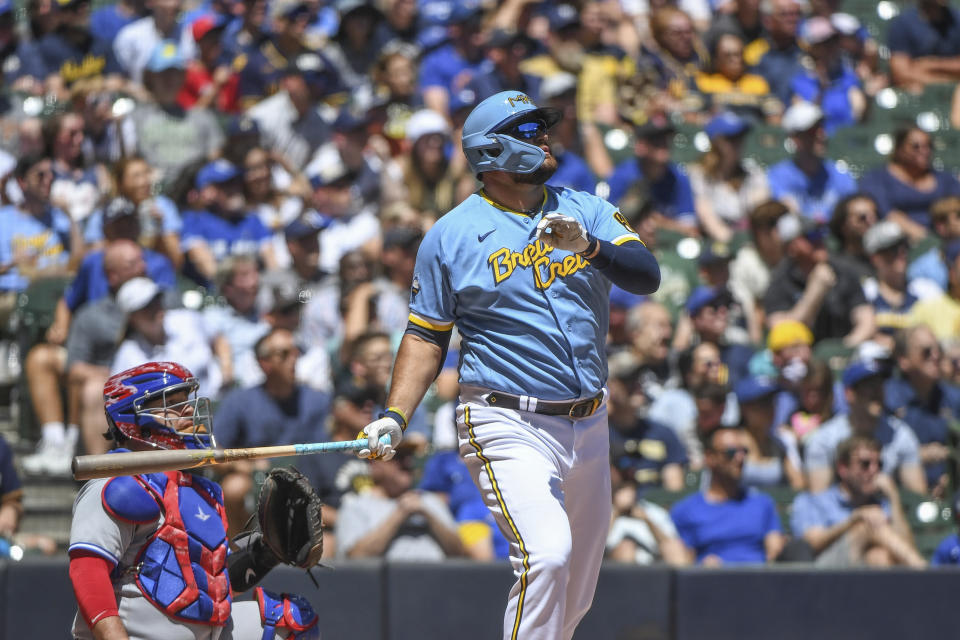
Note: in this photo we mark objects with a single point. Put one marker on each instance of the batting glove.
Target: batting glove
(375, 449)
(562, 232)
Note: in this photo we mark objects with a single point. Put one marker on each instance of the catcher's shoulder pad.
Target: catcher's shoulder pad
(127, 499)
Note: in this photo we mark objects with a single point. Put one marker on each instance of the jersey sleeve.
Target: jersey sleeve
(96, 531)
(611, 225)
(432, 303)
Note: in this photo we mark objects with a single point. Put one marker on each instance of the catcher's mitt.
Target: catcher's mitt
(289, 514)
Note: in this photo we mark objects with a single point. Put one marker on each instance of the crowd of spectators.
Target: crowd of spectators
(241, 186)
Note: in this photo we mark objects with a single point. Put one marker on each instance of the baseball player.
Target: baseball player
(523, 271)
(149, 555)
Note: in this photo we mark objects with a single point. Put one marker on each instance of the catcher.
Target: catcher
(149, 555)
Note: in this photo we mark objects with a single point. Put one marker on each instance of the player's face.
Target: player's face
(175, 411)
(534, 132)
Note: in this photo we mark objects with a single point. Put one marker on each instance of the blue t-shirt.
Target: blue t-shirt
(91, 283)
(572, 172)
(9, 480)
(446, 68)
(106, 22)
(225, 237)
(891, 194)
(651, 447)
(816, 195)
(533, 320)
(947, 552)
(445, 472)
(733, 530)
(910, 33)
(834, 99)
(47, 237)
(671, 195)
(931, 266)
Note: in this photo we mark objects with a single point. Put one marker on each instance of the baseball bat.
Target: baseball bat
(131, 463)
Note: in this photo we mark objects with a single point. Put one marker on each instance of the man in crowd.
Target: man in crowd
(858, 520)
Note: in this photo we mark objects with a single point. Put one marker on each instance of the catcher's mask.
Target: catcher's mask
(156, 405)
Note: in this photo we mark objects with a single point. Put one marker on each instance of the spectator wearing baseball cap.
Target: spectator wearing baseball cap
(831, 82)
(726, 189)
(210, 81)
(137, 44)
(500, 71)
(226, 227)
(809, 183)
(942, 313)
(863, 383)
(461, 56)
(666, 186)
(887, 246)
(154, 333)
(168, 137)
(771, 460)
(811, 287)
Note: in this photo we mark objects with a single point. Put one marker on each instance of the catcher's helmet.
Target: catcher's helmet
(138, 407)
(491, 140)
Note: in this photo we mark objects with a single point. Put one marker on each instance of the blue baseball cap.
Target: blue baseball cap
(857, 372)
(727, 124)
(350, 119)
(714, 252)
(166, 55)
(309, 223)
(465, 98)
(242, 126)
(6, 6)
(216, 172)
(753, 389)
(703, 296)
(562, 16)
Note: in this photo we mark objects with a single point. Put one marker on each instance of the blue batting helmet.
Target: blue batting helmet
(140, 406)
(491, 141)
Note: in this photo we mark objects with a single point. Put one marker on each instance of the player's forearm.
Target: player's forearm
(630, 266)
(417, 364)
(110, 629)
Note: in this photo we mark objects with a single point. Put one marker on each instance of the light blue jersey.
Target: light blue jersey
(532, 319)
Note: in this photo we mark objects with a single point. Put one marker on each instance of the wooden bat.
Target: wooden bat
(131, 463)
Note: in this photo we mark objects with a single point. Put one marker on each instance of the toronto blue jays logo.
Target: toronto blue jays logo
(503, 261)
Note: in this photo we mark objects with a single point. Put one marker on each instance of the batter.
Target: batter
(523, 271)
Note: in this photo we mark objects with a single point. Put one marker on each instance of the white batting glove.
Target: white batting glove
(375, 449)
(562, 232)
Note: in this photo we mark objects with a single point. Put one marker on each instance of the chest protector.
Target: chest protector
(182, 568)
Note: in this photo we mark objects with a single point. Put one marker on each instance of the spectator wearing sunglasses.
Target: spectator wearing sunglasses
(277, 411)
(929, 269)
(863, 383)
(919, 396)
(851, 219)
(726, 523)
(810, 287)
(858, 520)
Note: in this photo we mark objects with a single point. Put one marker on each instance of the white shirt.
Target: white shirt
(186, 344)
(344, 235)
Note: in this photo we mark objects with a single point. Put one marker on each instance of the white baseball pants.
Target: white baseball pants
(547, 481)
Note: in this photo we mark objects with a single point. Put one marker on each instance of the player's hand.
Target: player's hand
(376, 450)
(562, 232)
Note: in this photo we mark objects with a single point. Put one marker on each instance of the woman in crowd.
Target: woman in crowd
(726, 188)
(850, 220)
(276, 206)
(77, 186)
(729, 86)
(908, 185)
(160, 223)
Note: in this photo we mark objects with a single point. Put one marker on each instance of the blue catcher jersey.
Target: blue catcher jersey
(532, 319)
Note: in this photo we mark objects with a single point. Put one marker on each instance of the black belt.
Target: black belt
(574, 409)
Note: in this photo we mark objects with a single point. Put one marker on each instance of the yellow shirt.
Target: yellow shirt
(941, 314)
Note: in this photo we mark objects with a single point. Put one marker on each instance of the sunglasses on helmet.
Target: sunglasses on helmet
(527, 130)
